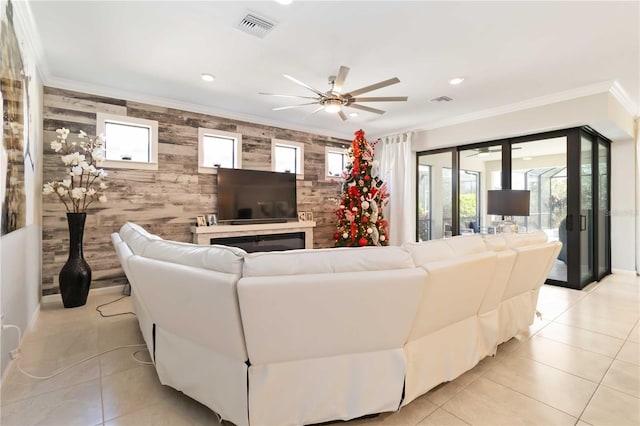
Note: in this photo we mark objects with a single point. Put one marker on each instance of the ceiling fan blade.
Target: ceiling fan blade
(293, 106)
(316, 91)
(287, 96)
(372, 87)
(340, 78)
(320, 108)
(341, 114)
(366, 108)
(382, 99)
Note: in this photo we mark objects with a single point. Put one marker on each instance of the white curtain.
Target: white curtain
(397, 169)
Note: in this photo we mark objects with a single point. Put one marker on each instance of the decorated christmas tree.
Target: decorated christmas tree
(363, 195)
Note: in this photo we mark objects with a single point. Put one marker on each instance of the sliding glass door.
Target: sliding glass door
(435, 195)
(541, 167)
(567, 174)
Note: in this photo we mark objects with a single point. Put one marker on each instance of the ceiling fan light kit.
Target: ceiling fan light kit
(333, 100)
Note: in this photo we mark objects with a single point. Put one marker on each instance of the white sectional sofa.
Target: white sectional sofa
(307, 336)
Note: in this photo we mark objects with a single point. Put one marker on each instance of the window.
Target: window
(287, 157)
(131, 143)
(217, 148)
(335, 161)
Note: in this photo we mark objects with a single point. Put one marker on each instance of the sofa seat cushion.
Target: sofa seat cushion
(325, 261)
(215, 257)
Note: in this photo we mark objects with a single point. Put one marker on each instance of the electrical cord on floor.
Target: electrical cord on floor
(133, 355)
(62, 370)
(124, 291)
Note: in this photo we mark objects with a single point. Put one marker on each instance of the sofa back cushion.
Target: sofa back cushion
(136, 237)
(429, 251)
(324, 261)
(466, 244)
(525, 239)
(215, 258)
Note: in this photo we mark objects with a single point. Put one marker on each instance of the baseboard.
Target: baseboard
(624, 272)
(53, 298)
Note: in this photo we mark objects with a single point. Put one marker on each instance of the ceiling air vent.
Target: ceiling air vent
(256, 25)
(441, 99)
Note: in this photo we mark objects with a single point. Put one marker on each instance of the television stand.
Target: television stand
(203, 234)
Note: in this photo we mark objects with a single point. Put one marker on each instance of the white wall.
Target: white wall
(20, 251)
(623, 204)
(602, 112)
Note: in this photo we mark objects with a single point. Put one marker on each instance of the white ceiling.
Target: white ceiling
(509, 52)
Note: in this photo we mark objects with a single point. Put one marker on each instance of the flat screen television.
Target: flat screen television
(254, 196)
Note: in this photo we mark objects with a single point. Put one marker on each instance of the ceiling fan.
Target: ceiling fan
(333, 100)
(484, 151)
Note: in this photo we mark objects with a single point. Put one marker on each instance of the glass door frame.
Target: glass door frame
(573, 140)
(454, 186)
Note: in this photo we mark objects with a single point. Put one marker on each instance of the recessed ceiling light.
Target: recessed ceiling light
(527, 158)
(284, 2)
(456, 81)
(353, 114)
(207, 77)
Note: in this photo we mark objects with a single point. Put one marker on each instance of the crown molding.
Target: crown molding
(184, 106)
(621, 96)
(29, 30)
(579, 92)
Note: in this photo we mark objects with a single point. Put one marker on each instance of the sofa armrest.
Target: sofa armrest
(198, 304)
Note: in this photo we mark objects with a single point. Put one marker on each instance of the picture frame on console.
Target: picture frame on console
(212, 220)
(201, 221)
(308, 216)
(302, 216)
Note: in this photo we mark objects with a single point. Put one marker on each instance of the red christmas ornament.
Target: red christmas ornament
(336, 235)
(365, 220)
(363, 241)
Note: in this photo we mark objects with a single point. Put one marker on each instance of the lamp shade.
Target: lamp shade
(508, 202)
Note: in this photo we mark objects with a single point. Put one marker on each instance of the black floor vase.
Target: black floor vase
(75, 276)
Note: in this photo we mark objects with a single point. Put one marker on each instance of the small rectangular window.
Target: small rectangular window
(335, 162)
(287, 157)
(130, 143)
(217, 148)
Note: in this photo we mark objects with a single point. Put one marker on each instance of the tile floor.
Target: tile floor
(578, 365)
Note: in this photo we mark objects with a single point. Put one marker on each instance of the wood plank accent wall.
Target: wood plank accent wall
(165, 201)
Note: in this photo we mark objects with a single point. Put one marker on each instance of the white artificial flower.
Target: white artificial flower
(61, 190)
(48, 188)
(91, 169)
(97, 154)
(66, 183)
(63, 132)
(101, 173)
(91, 192)
(102, 199)
(103, 185)
(82, 134)
(77, 193)
(84, 165)
(67, 159)
(76, 170)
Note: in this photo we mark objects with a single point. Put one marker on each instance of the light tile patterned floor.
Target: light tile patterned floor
(579, 364)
